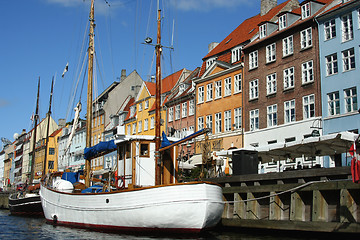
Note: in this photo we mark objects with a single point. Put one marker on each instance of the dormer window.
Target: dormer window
(236, 54)
(181, 88)
(262, 30)
(210, 61)
(305, 10)
(282, 22)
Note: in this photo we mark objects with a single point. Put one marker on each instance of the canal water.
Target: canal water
(15, 227)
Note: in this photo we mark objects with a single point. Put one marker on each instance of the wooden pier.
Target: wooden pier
(319, 200)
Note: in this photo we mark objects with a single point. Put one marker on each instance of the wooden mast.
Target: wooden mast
(89, 91)
(48, 128)
(34, 138)
(158, 48)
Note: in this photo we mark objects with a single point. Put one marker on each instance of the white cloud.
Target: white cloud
(207, 5)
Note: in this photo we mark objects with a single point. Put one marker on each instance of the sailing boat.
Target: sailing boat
(27, 202)
(166, 206)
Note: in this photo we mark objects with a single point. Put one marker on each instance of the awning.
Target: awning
(17, 170)
(18, 147)
(100, 172)
(195, 160)
(17, 158)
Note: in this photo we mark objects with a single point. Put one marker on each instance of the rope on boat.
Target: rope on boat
(279, 193)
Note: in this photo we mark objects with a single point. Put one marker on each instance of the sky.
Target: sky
(39, 37)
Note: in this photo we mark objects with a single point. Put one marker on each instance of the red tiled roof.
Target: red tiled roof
(151, 88)
(55, 132)
(169, 82)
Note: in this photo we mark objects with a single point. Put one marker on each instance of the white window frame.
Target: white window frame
(191, 107)
(200, 123)
(209, 122)
(305, 11)
(209, 92)
(177, 112)
(272, 115)
(237, 83)
(134, 128)
(140, 126)
(218, 123)
(184, 110)
(146, 124)
(227, 83)
(348, 57)
(307, 72)
(333, 103)
(227, 121)
(254, 89)
(309, 106)
(237, 118)
(289, 111)
(140, 106)
(329, 29)
(236, 54)
(282, 22)
(271, 84)
(289, 78)
(171, 114)
(200, 94)
(350, 98)
(262, 30)
(347, 28)
(210, 61)
(146, 104)
(128, 129)
(288, 46)
(152, 123)
(218, 89)
(271, 53)
(306, 38)
(253, 60)
(254, 119)
(331, 64)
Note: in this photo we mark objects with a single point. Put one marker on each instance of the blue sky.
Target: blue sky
(39, 37)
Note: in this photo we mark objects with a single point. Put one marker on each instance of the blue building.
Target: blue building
(339, 40)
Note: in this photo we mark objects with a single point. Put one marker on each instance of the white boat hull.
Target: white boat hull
(179, 207)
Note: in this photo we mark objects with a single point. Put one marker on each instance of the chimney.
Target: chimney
(62, 123)
(212, 45)
(123, 74)
(152, 79)
(266, 6)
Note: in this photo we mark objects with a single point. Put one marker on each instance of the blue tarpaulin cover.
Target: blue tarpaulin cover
(165, 142)
(72, 177)
(99, 148)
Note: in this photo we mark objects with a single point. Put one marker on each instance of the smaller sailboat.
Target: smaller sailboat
(27, 201)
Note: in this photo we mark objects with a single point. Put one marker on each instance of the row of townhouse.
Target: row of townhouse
(283, 75)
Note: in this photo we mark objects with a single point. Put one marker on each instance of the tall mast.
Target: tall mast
(34, 138)
(48, 128)
(89, 91)
(158, 49)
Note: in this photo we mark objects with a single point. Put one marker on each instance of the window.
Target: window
(191, 107)
(218, 86)
(282, 22)
(347, 27)
(288, 46)
(51, 165)
(200, 123)
(289, 78)
(128, 129)
(218, 122)
(140, 126)
(333, 103)
(253, 60)
(236, 54)
(146, 124)
(144, 149)
(254, 89)
(305, 10)
(306, 38)
(330, 29)
(237, 118)
(271, 84)
(177, 112)
(181, 88)
(209, 62)
(307, 73)
(331, 64)
(209, 122)
(209, 92)
(348, 60)
(51, 151)
(262, 30)
(227, 121)
(140, 107)
(134, 128)
(309, 106)
(270, 53)
(171, 114)
(254, 119)
(201, 94)
(289, 111)
(350, 98)
(237, 83)
(146, 104)
(152, 123)
(227, 82)
(184, 110)
(272, 115)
